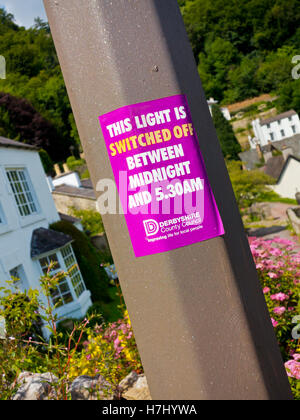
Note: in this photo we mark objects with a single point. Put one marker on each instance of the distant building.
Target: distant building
(211, 102)
(27, 245)
(257, 157)
(275, 129)
(288, 182)
(68, 191)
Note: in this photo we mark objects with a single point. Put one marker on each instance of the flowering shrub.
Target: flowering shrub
(110, 351)
(279, 271)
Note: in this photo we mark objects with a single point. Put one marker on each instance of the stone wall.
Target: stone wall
(64, 202)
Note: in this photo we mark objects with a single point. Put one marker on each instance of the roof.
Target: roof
(87, 193)
(286, 165)
(274, 166)
(251, 159)
(278, 117)
(68, 218)
(44, 241)
(16, 144)
(87, 183)
(65, 174)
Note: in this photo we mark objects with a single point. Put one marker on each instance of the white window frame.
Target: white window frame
(25, 199)
(20, 279)
(2, 217)
(67, 264)
(72, 267)
(61, 294)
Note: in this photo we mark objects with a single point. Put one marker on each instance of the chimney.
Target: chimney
(66, 168)
(259, 152)
(57, 169)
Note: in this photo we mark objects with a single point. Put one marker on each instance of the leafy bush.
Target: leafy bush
(20, 352)
(91, 220)
(279, 272)
(229, 144)
(46, 162)
(74, 163)
(249, 186)
(89, 261)
(110, 351)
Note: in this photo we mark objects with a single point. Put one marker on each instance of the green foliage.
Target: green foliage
(46, 162)
(279, 269)
(243, 48)
(249, 186)
(74, 163)
(273, 197)
(289, 96)
(91, 220)
(229, 144)
(109, 349)
(89, 261)
(34, 74)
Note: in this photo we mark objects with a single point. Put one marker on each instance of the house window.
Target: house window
(22, 190)
(73, 270)
(282, 133)
(272, 136)
(61, 295)
(279, 122)
(18, 277)
(268, 125)
(294, 129)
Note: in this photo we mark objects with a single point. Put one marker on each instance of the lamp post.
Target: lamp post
(198, 312)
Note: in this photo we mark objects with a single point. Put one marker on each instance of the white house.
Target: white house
(275, 129)
(211, 102)
(288, 183)
(27, 245)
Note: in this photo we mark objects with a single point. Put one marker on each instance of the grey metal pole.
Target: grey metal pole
(199, 316)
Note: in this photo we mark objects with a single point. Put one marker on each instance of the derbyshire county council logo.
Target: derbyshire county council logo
(151, 227)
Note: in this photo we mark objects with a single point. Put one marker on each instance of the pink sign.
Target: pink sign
(158, 167)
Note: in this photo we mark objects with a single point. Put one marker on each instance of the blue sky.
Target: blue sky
(25, 10)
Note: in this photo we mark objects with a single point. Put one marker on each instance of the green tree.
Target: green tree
(229, 144)
(289, 96)
(214, 64)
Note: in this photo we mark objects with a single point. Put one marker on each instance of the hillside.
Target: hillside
(243, 49)
(37, 109)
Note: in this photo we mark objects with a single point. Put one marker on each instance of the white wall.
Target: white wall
(263, 132)
(16, 232)
(289, 183)
(72, 179)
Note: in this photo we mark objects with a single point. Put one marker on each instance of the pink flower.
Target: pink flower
(296, 357)
(273, 275)
(279, 310)
(293, 369)
(266, 290)
(274, 323)
(280, 297)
